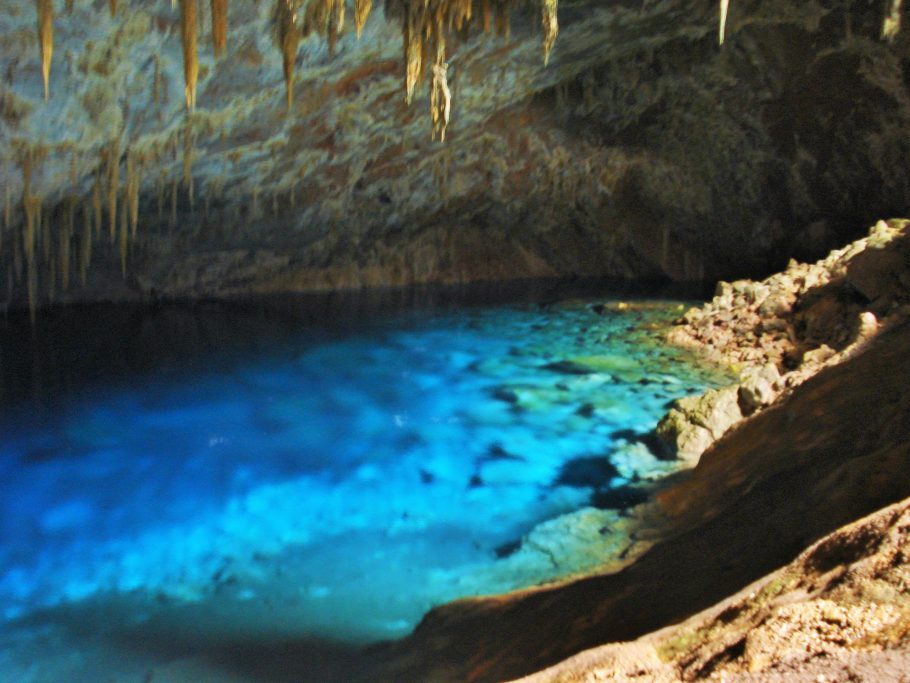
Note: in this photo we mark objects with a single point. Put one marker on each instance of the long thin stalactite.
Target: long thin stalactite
(46, 40)
(219, 26)
(188, 28)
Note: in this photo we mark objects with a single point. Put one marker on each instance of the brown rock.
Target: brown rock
(695, 422)
(759, 388)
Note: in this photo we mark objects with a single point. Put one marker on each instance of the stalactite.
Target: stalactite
(132, 192)
(440, 96)
(174, 203)
(159, 196)
(17, 255)
(503, 23)
(219, 26)
(288, 37)
(50, 275)
(361, 12)
(335, 12)
(113, 6)
(85, 243)
(45, 233)
(892, 24)
(26, 162)
(413, 56)
(46, 40)
(722, 28)
(98, 211)
(113, 183)
(550, 27)
(32, 277)
(124, 235)
(32, 208)
(188, 11)
(65, 237)
(188, 141)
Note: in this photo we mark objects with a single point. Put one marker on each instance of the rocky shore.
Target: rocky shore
(818, 436)
(779, 332)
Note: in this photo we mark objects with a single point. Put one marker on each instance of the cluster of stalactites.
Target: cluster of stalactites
(296, 19)
(49, 244)
(425, 25)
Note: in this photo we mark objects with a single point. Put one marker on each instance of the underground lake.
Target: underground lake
(188, 479)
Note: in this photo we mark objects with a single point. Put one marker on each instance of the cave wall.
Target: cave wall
(642, 149)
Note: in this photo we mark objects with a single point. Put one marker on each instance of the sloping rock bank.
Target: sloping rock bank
(839, 612)
(779, 332)
(832, 448)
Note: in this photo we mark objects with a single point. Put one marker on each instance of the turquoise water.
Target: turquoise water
(297, 476)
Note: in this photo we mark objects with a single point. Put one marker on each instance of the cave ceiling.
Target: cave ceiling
(312, 146)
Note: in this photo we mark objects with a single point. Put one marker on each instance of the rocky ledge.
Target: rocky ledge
(779, 332)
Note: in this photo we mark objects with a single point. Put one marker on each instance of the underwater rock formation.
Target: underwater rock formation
(641, 149)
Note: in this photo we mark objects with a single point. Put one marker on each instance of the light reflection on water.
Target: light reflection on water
(348, 473)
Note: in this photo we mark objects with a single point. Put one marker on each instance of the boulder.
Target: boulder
(759, 388)
(875, 273)
(695, 422)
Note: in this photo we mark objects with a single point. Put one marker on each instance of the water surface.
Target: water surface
(274, 471)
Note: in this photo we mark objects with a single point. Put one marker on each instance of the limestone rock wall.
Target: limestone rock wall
(641, 150)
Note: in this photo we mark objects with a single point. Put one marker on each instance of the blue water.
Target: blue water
(335, 480)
